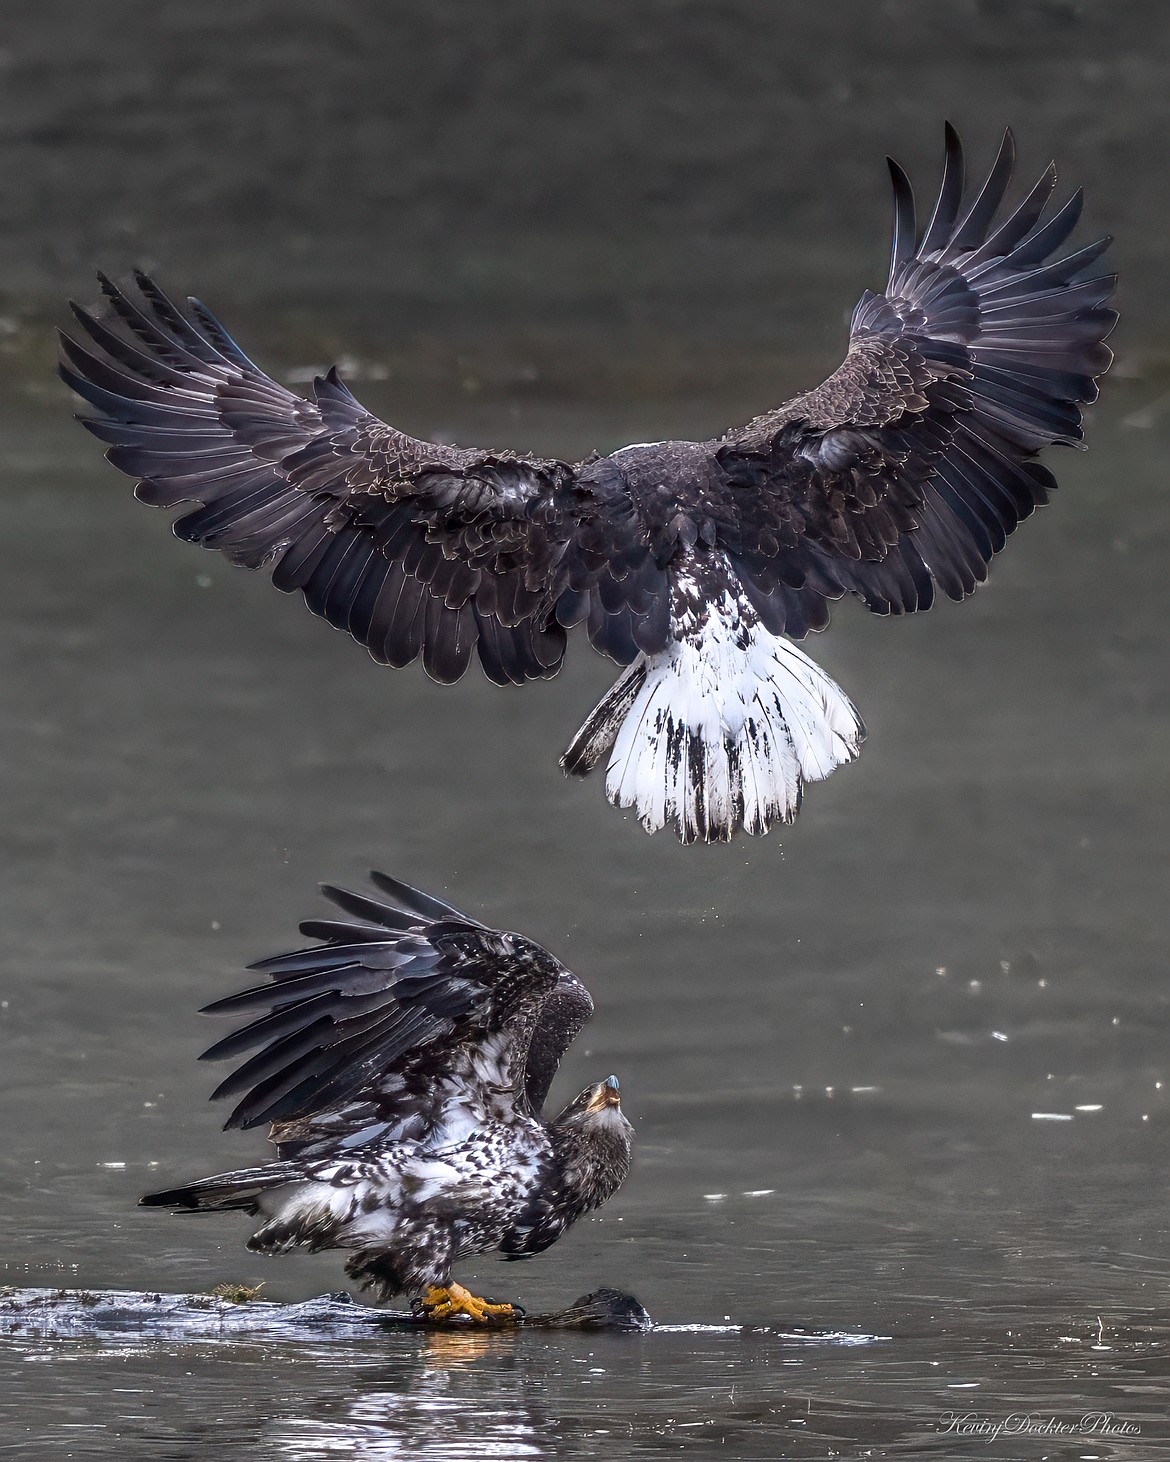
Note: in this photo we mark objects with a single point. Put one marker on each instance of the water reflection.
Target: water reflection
(1084, 1387)
(439, 1408)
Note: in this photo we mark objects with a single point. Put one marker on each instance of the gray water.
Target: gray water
(899, 1070)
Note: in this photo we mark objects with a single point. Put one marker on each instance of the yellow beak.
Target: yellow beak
(605, 1094)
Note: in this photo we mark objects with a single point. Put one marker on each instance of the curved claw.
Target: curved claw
(444, 1303)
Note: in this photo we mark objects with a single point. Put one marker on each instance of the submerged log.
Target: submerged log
(64, 1314)
(75, 1313)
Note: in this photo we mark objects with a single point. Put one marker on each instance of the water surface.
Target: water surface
(899, 1070)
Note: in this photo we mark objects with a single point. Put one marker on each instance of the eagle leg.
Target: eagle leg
(452, 1301)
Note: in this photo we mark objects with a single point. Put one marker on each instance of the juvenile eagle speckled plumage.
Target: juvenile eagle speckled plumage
(403, 1066)
(693, 564)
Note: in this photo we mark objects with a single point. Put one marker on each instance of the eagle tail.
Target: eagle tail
(242, 1189)
(719, 730)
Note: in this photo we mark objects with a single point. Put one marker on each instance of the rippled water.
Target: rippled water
(898, 1071)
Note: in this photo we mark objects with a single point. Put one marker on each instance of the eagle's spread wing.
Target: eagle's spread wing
(412, 547)
(365, 1035)
(911, 464)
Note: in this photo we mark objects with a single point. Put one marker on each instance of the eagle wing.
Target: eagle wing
(909, 466)
(412, 547)
(364, 1036)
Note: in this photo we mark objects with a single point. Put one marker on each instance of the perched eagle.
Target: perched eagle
(693, 564)
(403, 1066)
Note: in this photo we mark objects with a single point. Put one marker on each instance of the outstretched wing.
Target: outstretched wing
(908, 468)
(411, 547)
(367, 1034)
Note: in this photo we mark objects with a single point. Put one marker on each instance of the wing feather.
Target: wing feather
(398, 1005)
(325, 493)
(902, 474)
(915, 460)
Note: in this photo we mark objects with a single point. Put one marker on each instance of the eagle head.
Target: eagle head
(594, 1142)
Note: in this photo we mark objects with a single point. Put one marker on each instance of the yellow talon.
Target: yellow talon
(447, 1302)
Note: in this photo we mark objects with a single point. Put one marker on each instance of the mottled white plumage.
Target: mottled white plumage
(723, 727)
(492, 1171)
(403, 1066)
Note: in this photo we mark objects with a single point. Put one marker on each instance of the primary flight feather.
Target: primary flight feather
(695, 565)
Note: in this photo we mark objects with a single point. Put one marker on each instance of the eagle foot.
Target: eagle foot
(452, 1301)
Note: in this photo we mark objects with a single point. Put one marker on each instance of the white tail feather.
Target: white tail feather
(721, 729)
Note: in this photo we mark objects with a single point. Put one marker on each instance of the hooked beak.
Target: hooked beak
(605, 1095)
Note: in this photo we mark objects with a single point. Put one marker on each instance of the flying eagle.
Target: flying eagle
(695, 565)
(403, 1066)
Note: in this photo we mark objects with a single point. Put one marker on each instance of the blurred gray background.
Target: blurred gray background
(661, 185)
(900, 1068)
